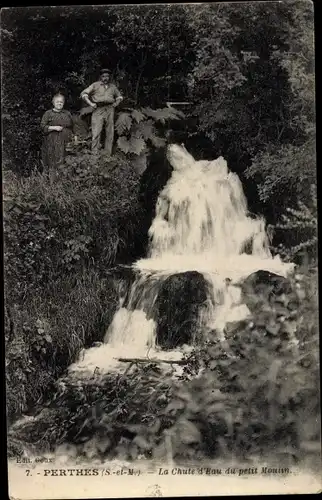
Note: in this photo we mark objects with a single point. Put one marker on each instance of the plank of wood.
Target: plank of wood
(146, 360)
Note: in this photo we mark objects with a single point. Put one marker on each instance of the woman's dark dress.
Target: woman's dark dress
(54, 143)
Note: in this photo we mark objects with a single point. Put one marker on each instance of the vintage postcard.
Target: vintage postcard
(160, 250)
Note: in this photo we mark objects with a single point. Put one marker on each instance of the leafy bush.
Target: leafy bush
(257, 109)
(300, 227)
(288, 174)
(137, 128)
(61, 235)
(238, 399)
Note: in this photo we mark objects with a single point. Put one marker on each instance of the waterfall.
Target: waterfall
(201, 224)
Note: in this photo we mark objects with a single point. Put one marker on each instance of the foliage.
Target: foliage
(68, 67)
(248, 74)
(302, 224)
(71, 219)
(156, 76)
(298, 60)
(235, 77)
(225, 402)
(137, 128)
(286, 173)
(247, 71)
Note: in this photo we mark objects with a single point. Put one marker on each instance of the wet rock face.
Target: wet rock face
(177, 309)
(263, 279)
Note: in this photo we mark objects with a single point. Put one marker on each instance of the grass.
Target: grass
(261, 402)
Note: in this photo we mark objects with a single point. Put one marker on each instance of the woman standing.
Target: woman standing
(57, 128)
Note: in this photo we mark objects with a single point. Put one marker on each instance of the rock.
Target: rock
(264, 284)
(123, 278)
(177, 309)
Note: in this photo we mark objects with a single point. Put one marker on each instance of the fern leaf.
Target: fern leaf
(150, 112)
(137, 115)
(123, 144)
(123, 122)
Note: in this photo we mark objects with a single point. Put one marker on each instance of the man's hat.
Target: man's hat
(104, 71)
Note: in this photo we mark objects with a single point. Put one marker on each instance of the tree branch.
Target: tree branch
(142, 65)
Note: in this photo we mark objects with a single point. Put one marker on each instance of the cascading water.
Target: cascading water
(201, 224)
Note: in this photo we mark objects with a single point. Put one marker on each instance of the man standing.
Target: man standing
(103, 97)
